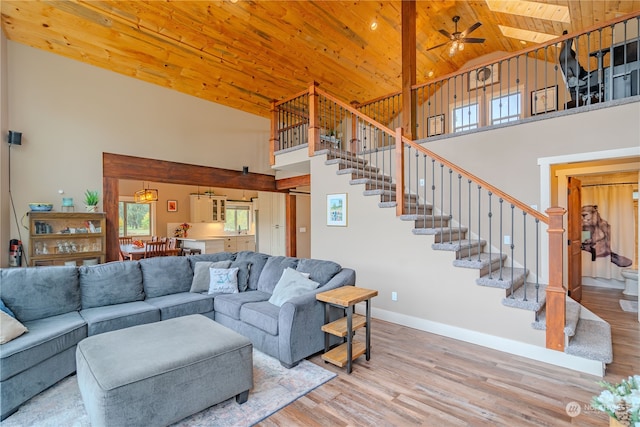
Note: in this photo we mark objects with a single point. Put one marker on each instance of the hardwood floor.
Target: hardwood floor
(417, 378)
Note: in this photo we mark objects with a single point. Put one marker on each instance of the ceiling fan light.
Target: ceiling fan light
(460, 46)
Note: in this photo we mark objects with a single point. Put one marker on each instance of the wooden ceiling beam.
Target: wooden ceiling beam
(293, 182)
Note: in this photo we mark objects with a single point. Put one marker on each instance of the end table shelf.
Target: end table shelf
(346, 297)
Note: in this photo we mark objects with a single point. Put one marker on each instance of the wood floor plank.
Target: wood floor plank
(417, 378)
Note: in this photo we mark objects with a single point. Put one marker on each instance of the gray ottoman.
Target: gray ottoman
(160, 373)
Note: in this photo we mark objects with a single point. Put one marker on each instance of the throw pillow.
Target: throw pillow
(6, 309)
(223, 280)
(10, 328)
(243, 273)
(290, 285)
(201, 278)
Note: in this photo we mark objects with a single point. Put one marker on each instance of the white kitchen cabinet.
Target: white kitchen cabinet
(207, 209)
(271, 223)
(240, 243)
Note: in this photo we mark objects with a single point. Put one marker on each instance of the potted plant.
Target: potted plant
(91, 200)
(620, 401)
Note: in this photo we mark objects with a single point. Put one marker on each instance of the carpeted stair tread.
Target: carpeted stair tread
(592, 341)
(517, 300)
(479, 261)
(439, 231)
(460, 246)
(426, 217)
(493, 279)
(373, 183)
(412, 208)
(347, 168)
(572, 317)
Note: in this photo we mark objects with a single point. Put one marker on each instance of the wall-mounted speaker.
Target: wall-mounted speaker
(15, 138)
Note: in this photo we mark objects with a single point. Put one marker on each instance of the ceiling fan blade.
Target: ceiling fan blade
(446, 34)
(472, 40)
(470, 29)
(437, 46)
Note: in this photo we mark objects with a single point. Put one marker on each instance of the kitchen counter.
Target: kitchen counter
(213, 244)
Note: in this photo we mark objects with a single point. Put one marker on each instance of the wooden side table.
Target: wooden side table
(346, 297)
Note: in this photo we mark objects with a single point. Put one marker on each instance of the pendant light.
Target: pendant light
(146, 195)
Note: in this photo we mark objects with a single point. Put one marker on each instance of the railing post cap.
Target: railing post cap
(556, 210)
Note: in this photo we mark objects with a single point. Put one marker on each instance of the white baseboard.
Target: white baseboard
(517, 348)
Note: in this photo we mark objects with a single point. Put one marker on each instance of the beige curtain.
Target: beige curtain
(607, 230)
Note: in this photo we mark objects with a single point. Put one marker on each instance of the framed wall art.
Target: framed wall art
(337, 210)
(544, 100)
(172, 206)
(435, 125)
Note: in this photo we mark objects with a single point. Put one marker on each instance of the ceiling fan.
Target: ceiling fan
(457, 38)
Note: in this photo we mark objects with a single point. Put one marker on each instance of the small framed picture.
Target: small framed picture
(435, 125)
(172, 206)
(337, 210)
(544, 100)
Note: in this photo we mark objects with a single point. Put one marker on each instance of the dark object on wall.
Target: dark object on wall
(245, 170)
(15, 138)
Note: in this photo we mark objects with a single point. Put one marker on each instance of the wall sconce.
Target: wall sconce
(15, 138)
(245, 170)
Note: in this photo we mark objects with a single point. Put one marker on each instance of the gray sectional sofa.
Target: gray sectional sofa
(60, 306)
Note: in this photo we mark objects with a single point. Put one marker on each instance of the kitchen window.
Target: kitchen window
(238, 217)
(135, 219)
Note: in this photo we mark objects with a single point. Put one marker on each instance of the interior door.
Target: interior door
(574, 232)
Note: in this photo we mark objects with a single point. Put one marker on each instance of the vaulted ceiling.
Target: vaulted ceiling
(244, 53)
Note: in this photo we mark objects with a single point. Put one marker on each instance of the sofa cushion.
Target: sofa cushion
(230, 304)
(10, 328)
(272, 272)
(119, 316)
(37, 293)
(218, 256)
(46, 338)
(262, 315)
(291, 284)
(111, 283)
(244, 269)
(181, 304)
(223, 280)
(166, 275)
(319, 270)
(257, 260)
(201, 278)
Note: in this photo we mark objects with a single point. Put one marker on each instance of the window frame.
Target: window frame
(232, 206)
(152, 218)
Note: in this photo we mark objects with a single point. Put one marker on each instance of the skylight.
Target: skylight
(531, 9)
(530, 36)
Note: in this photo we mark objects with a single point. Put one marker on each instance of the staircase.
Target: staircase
(586, 335)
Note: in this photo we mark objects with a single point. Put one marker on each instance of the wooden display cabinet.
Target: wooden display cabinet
(60, 238)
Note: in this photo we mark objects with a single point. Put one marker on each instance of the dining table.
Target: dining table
(132, 251)
(137, 252)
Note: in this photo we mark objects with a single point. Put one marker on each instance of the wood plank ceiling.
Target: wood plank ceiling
(244, 53)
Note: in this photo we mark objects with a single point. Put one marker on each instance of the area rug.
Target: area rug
(631, 306)
(274, 387)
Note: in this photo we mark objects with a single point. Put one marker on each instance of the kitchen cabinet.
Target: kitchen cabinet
(205, 208)
(61, 238)
(240, 243)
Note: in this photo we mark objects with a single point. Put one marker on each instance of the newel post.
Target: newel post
(314, 119)
(274, 137)
(399, 173)
(556, 293)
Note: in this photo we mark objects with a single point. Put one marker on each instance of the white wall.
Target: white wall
(70, 113)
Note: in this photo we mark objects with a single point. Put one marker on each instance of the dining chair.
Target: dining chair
(154, 238)
(172, 247)
(124, 241)
(153, 249)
